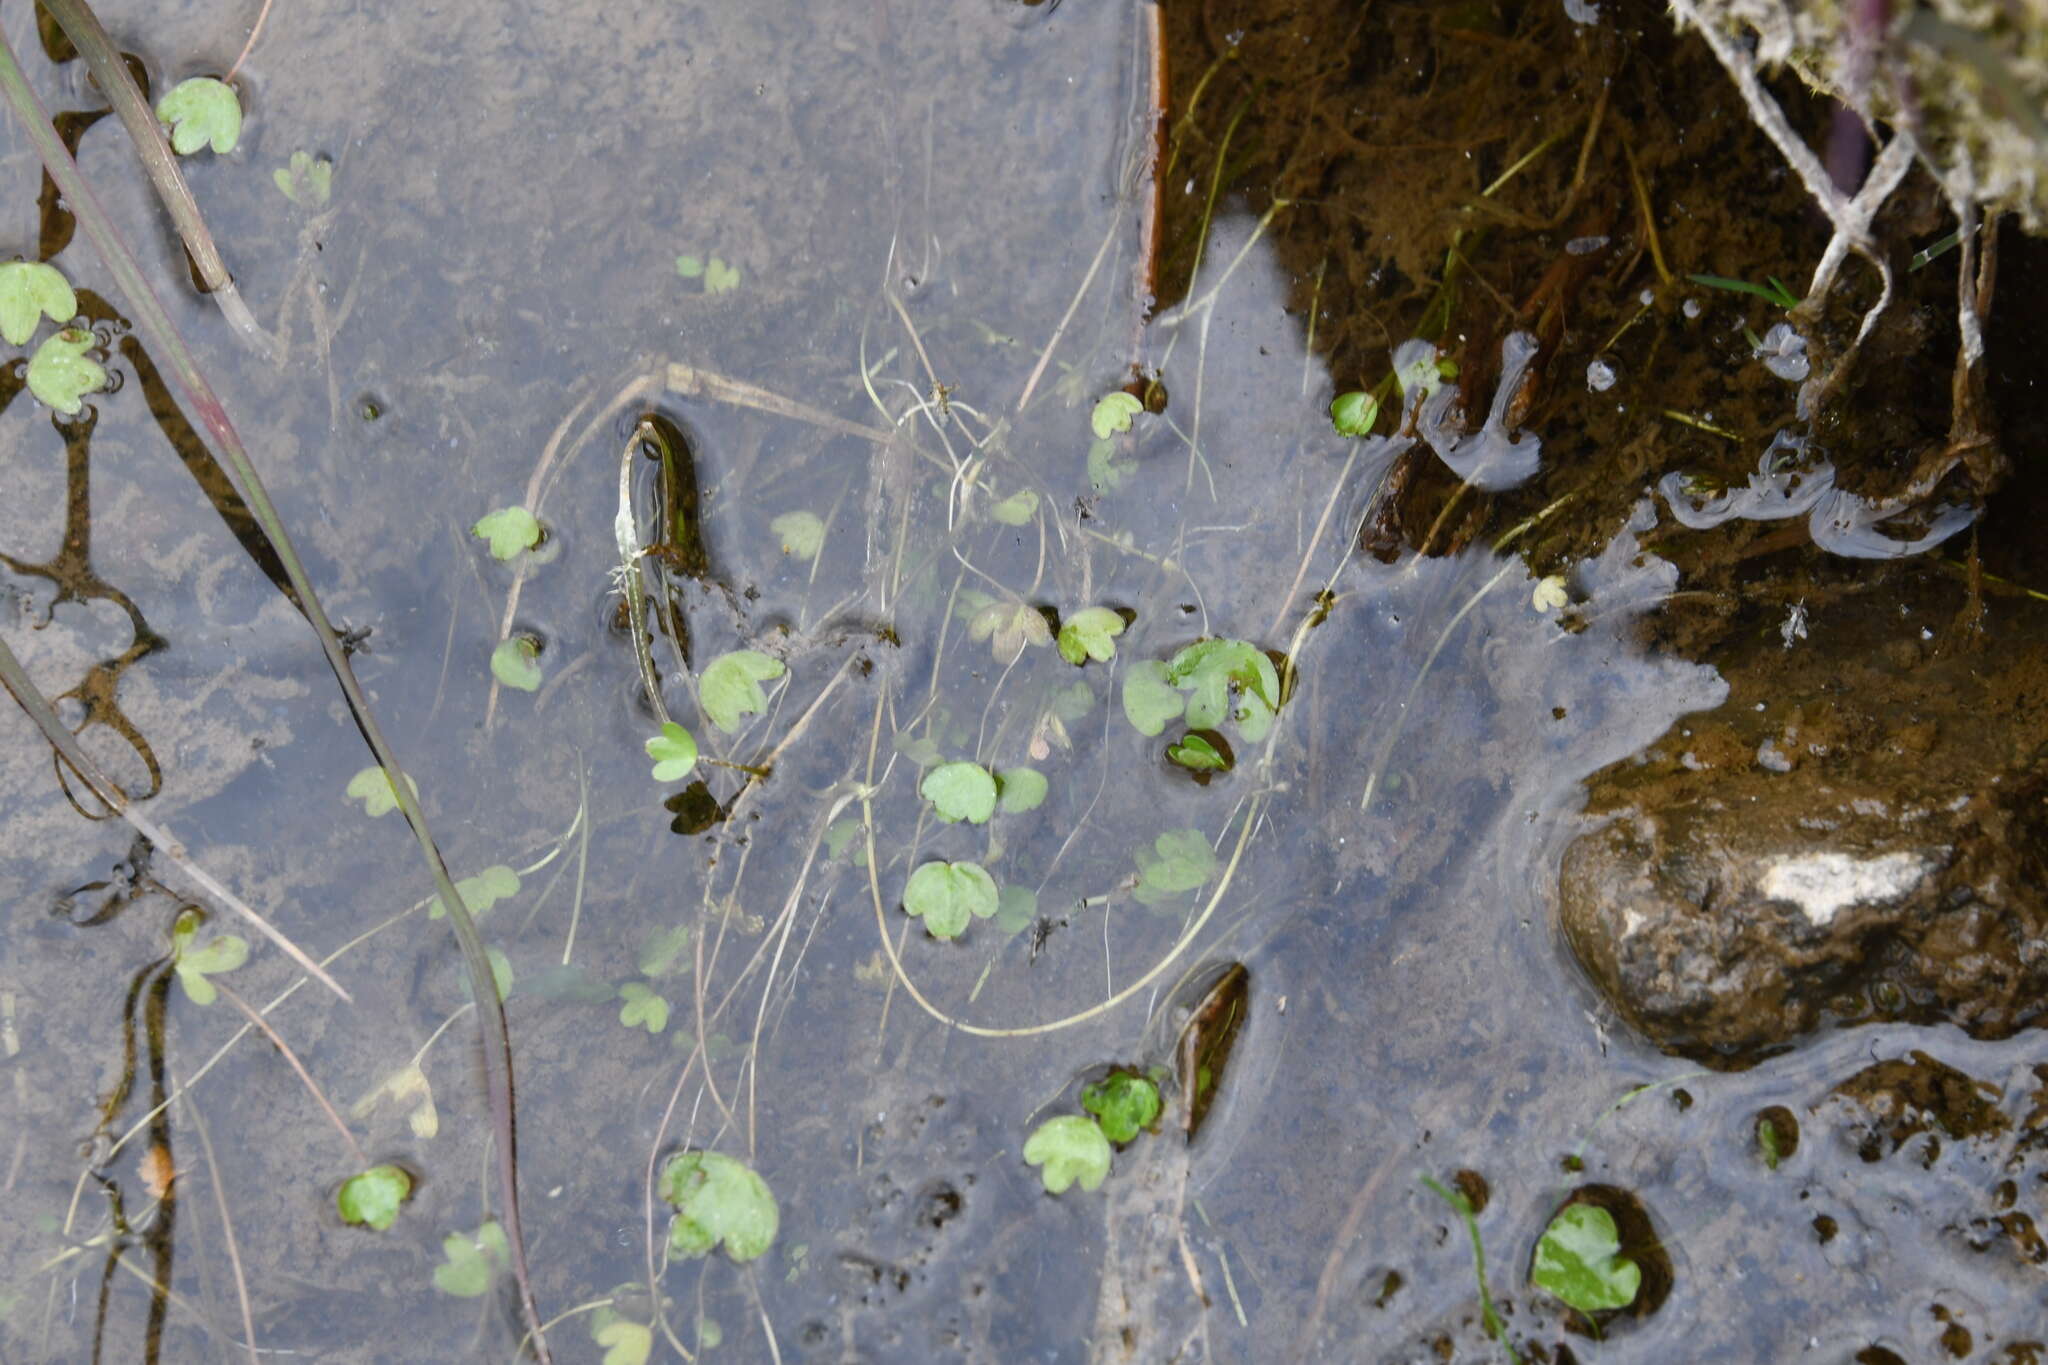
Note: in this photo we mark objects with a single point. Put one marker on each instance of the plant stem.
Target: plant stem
(156, 328)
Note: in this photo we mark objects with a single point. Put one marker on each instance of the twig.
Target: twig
(249, 46)
(227, 1227)
(72, 753)
(263, 1026)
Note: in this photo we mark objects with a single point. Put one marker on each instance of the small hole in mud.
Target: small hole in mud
(1825, 1228)
(1777, 1135)
(939, 1205)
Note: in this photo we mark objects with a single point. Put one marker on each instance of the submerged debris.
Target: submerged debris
(1488, 459)
(1841, 522)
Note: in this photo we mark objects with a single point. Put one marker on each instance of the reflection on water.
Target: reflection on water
(913, 209)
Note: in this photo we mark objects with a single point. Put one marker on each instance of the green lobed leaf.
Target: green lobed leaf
(509, 530)
(60, 372)
(306, 181)
(1021, 789)
(1010, 628)
(201, 111)
(222, 953)
(802, 533)
(1211, 669)
(643, 1008)
(1193, 752)
(1067, 1149)
(29, 290)
(720, 278)
(947, 895)
(495, 883)
(1179, 860)
(730, 686)
(372, 1198)
(1106, 473)
(718, 1199)
(961, 791)
(1090, 634)
(372, 787)
(1123, 1103)
(690, 267)
(1113, 413)
(674, 752)
(1016, 907)
(1579, 1260)
(1150, 701)
(1017, 509)
(659, 955)
(516, 663)
(471, 1260)
(625, 1343)
(1354, 413)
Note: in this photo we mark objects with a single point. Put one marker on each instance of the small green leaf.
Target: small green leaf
(1213, 669)
(1354, 413)
(658, 955)
(200, 111)
(60, 372)
(674, 752)
(643, 1008)
(718, 1199)
(690, 267)
(1017, 509)
(495, 883)
(501, 973)
(947, 895)
(961, 791)
(1021, 789)
(1016, 907)
(1090, 634)
(1066, 1149)
(471, 1260)
(720, 278)
(1149, 699)
(1106, 473)
(730, 686)
(1113, 413)
(802, 533)
(1197, 754)
(922, 750)
(372, 786)
(625, 1343)
(1579, 1260)
(222, 953)
(372, 1199)
(1125, 1104)
(509, 530)
(307, 181)
(28, 291)
(516, 663)
(1179, 860)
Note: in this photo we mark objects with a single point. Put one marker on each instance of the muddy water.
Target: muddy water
(902, 220)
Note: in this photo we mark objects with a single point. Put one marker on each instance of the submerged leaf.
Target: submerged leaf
(1022, 789)
(802, 533)
(731, 686)
(470, 1261)
(643, 1008)
(372, 786)
(1150, 701)
(1017, 509)
(307, 181)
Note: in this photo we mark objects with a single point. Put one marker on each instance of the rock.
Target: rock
(1868, 844)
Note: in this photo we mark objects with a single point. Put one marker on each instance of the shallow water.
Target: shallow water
(912, 196)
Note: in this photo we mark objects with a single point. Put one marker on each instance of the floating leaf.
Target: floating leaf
(1123, 1103)
(372, 1199)
(1550, 594)
(1017, 509)
(718, 1199)
(1021, 789)
(947, 895)
(674, 752)
(306, 181)
(1354, 413)
(1067, 1149)
(802, 533)
(201, 111)
(372, 786)
(1579, 1259)
(516, 663)
(61, 373)
(643, 1008)
(1212, 670)
(222, 953)
(1090, 634)
(961, 791)
(471, 1260)
(28, 291)
(509, 530)
(730, 686)
(625, 1343)
(1113, 413)
(1150, 701)
(495, 883)
(1179, 860)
